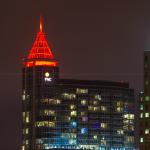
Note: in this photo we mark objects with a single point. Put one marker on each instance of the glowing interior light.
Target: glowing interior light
(46, 74)
(41, 63)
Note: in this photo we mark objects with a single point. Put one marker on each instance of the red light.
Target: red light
(40, 48)
(41, 63)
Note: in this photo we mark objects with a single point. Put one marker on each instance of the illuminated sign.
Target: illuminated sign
(47, 79)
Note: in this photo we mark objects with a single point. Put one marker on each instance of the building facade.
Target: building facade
(144, 123)
(72, 114)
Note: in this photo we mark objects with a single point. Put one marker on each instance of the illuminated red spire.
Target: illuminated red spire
(40, 48)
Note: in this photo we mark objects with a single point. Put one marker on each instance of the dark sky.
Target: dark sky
(92, 39)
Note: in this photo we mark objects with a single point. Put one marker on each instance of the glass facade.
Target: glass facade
(144, 106)
(73, 114)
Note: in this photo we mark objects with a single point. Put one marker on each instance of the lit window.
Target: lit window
(83, 102)
(81, 91)
(98, 97)
(73, 113)
(73, 124)
(26, 130)
(141, 107)
(146, 115)
(119, 109)
(84, 130)
(130, 138)
(69, 96)
(27, 142)
(83, 113)
(120, 131)
(146, 131)
(146, 98)
(103, 108)
(72, 106)
(95, 102)
(45, 124)
(23, 147)
(141, 115)
(119, 103)
(85, 118)
(141, 140)
(104, 125)
(129, 116)
(95, 137)
(72, 141)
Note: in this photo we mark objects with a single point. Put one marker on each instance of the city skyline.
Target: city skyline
(17, 30)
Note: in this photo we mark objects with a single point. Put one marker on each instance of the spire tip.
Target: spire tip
(41, 26)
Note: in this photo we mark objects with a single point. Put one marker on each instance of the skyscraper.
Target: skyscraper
(72, 114)
(145, 106)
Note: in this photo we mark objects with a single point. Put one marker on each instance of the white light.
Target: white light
(48, 79)
(46, 74)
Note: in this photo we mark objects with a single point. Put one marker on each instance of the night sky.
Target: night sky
(92, 39)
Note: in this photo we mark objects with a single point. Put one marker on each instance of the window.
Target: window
(83, 102)
(95, 137)
(44, 124)
(103, 108)
(146, 98)
(104, 125)
(146, 131)
(73, 113)
(72, 106)
(141, 115)
(84, 130)
(69, 96)
(146, 115)
(141, 140)
(141, 107)
(81, 91)
(85, 118)
(98, 97)
(74, 124)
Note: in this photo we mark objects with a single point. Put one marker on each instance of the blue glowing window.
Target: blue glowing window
(84, 130)
(74, 124)
(96, 126)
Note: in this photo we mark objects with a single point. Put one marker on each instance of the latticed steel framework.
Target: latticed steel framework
(73, 114)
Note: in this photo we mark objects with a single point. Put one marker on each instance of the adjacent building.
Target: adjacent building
(144, 106)
(72, 114)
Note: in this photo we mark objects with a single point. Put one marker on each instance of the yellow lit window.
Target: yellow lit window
(98, 97)
(146, 131)
(146, 98)
(27, 142)
(73, 113)
(45, 124)
(95, 102)
(81, 91)
(27, 117)
(83, 113)
(69, 96)
(119, 103)
(72, 106)
(146, 115)
(141, 115)
(95, 137)
(103, 108)
(141, 140)
(119, 109)
(104, 125)
(83, 102)
(130, 139)
(26, 130)
(23, 147)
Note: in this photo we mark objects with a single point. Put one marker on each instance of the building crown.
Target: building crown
(40, 48)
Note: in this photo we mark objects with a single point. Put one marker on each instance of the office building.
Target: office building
(69, 113)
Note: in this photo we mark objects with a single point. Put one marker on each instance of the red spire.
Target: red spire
(40, 48)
